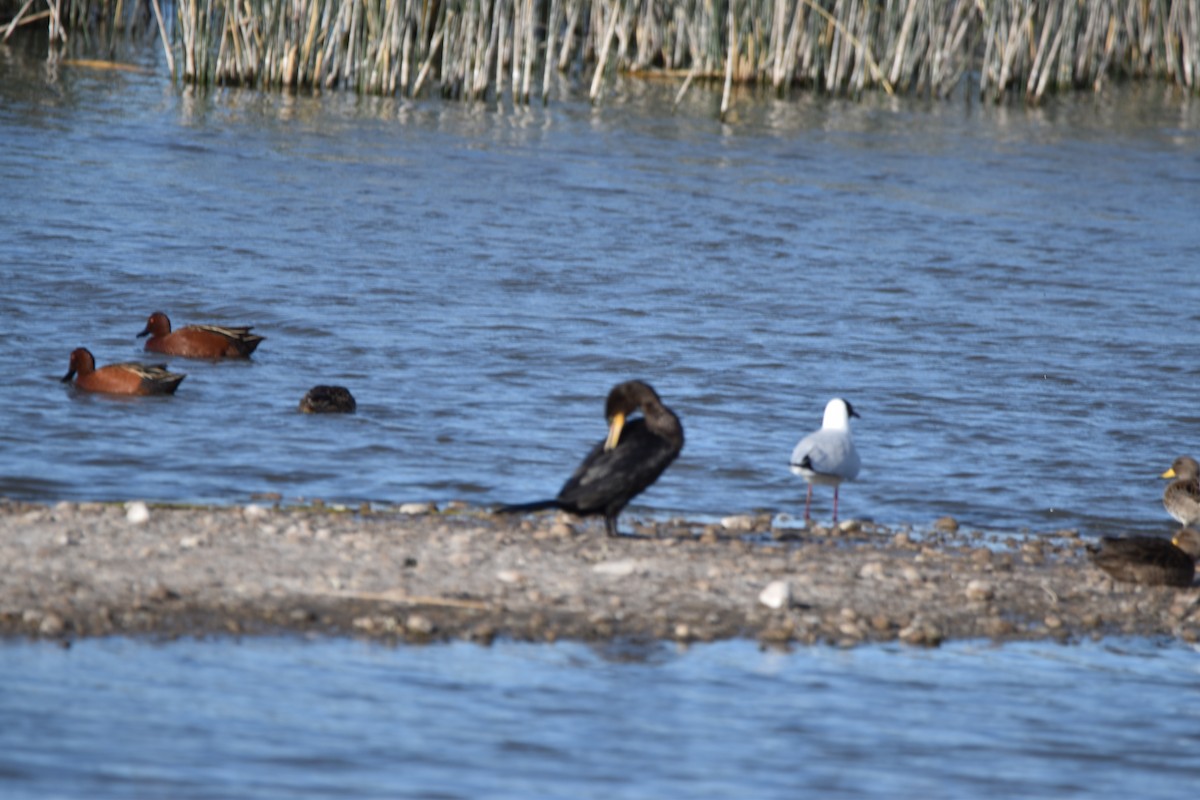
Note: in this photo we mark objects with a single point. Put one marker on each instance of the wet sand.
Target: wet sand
(415, 574)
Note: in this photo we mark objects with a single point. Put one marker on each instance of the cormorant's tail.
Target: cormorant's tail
(521, 508)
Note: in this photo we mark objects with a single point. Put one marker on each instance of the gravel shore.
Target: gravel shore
(418, 573)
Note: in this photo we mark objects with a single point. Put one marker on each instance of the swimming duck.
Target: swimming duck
(132, 379)
(328, 400)
(198, 341)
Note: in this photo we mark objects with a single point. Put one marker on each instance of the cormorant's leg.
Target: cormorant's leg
(610, 525)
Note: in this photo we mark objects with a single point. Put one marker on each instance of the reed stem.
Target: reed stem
(481, 49)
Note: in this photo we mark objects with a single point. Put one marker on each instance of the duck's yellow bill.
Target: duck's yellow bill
(1168, 474)
(615, 425)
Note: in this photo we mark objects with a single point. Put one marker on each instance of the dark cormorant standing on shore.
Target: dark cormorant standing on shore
(621, 466)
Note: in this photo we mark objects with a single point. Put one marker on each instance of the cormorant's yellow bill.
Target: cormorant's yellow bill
(614, 430)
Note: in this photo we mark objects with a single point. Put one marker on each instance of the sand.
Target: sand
(419, 573)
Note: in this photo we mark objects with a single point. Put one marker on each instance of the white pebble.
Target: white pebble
(778, 594)
(417, 508)
(872, 570)
(980, 590)
(738, 522)
(136, 512)
(615, 569)
(252, 511)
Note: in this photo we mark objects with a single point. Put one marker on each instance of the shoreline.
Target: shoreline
(415, 574)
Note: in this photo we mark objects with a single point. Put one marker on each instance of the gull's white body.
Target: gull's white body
(827, 457)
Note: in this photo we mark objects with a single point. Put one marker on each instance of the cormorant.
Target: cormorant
(621, 466)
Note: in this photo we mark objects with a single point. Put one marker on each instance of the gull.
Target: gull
(827, 456)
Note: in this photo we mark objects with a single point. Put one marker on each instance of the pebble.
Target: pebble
(419, 624)
(417, 508)
(980, 591)
(849, 526)
(615, 569)
(872, 570)
(66, 539)
(945, 524)
(510, 576)
(998, 627)
(738, 522)
(136, 513)
(921, 633)
(781, 634)
(51, 625)
(776, 595)
(851, 630)
(253, 511)
(161, 593)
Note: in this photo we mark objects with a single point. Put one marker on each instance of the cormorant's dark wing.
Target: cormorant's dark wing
(610, 479)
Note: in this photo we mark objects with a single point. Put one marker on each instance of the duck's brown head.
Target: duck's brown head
(82, 362)
(157, 325)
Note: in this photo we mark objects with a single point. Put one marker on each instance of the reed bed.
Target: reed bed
(497, 49)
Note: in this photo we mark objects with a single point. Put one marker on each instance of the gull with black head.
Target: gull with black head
(827, 457)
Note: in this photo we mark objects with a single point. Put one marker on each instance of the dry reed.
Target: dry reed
(495, 49)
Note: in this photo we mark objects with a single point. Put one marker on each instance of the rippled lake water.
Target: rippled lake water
(284, 718)
(1008, 295)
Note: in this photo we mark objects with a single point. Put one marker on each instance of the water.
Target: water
(1008, 295)
(283, 718)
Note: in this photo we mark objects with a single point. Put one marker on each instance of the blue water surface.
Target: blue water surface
(1008, 295)
(283, 718)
